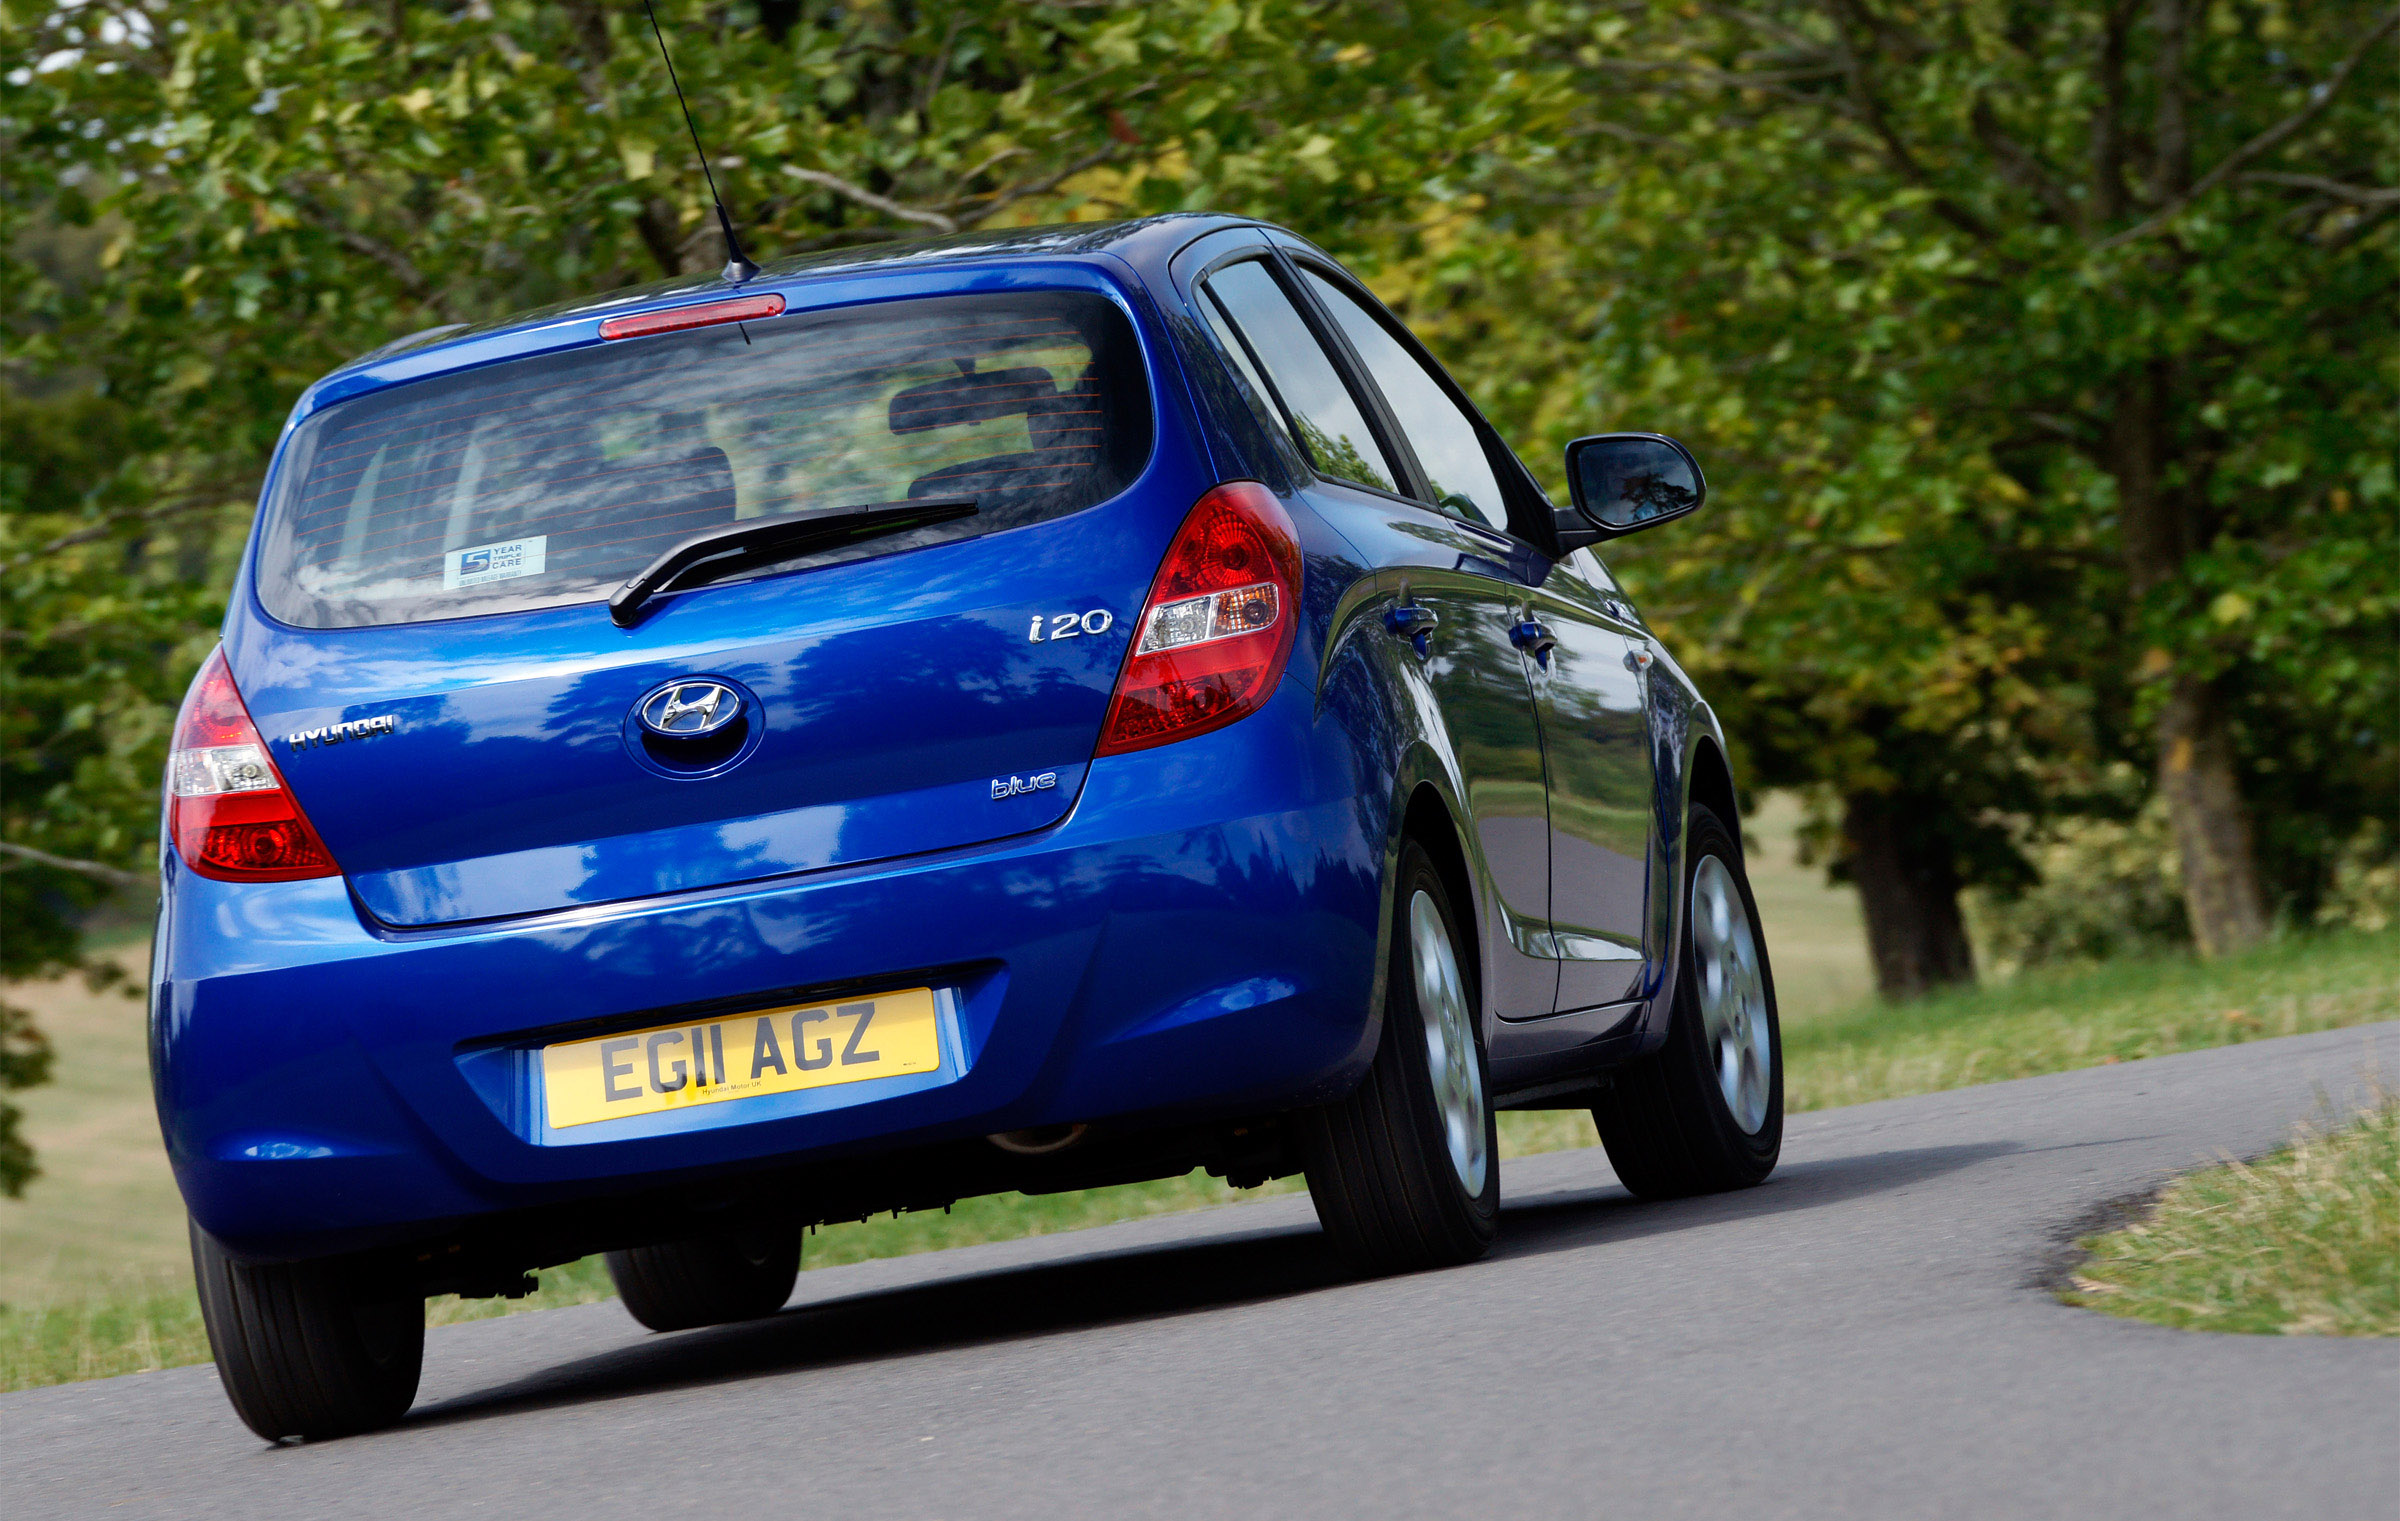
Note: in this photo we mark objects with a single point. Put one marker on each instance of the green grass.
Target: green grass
(130, 1324)
(2051, 1021)
(136, 1322)
(2304, 1242)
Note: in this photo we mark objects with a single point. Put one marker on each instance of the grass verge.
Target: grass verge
(2303, 1242)
(2052, 1021)
(131, 1323)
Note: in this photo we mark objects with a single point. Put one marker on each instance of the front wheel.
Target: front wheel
(1705, 1111)
(1405, 1173)
(308, 1349)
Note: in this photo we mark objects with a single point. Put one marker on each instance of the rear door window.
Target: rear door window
(1331, 424)
(550, 480)
(1254, 385)
(1444, 437)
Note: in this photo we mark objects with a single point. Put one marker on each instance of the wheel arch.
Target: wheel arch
(1404, 743)
(1427, 821)
(1688, 739)
(1712, 783)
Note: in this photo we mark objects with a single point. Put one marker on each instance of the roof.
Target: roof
(1168, 232)
(1145, 244)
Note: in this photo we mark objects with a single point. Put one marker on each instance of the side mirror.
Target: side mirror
(1625, 482)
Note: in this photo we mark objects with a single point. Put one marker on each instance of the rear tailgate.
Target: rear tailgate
(893, 695)
(436, 555)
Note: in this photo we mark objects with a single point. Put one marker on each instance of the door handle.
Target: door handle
(1535, 640)
(1414, 624)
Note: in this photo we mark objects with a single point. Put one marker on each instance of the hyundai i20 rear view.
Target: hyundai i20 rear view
(1020, 712)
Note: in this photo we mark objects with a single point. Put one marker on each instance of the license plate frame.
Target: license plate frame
(754, 1053)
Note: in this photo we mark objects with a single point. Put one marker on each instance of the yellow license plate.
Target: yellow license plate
(713, 1061)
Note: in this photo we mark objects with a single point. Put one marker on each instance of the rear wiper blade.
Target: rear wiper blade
(780, 538)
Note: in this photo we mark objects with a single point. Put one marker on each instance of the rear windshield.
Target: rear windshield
(554, 479)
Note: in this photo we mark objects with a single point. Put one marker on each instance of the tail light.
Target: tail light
(228, 810)
(1217, 630)
(676, 319)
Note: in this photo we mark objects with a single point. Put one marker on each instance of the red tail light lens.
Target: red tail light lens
(1217, 630)
(228, 810)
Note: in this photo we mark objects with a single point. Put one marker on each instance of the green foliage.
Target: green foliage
(2107, 888)
(286, 186)
(101, 594)
(2366, 883)
(1928, 348)
(98, 610)
(2040, 362)
(24, 1062)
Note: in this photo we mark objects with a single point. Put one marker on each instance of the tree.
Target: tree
(1860, 600)
(90, 623)
(2107, 283)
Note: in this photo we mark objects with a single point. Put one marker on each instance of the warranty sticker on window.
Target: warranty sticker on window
(494, 562)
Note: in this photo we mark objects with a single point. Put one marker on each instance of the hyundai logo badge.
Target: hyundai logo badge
(688, 708)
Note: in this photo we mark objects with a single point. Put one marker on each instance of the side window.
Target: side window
(1444, 437)
(1332, 426)
(1239, 353)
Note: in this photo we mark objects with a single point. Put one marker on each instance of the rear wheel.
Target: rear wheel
(308, 1349)
(1705, 1111)
(709, 1280)
(1405, 1173)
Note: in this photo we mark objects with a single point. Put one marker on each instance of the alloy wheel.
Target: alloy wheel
(1733, 994)
(1449, 1042)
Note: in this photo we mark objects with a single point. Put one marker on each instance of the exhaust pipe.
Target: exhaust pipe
(1040, 1141)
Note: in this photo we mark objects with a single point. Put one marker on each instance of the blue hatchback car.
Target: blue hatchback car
(1020, 712)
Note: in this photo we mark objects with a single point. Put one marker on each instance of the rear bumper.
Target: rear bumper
(1195, 941)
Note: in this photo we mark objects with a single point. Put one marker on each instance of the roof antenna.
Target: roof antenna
(738, 267)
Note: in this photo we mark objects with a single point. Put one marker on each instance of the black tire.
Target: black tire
(1380, 1164)
(308, 1349)
(1665, 1118)
(709, 1280)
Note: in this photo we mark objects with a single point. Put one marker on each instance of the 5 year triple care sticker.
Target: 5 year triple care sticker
(504, 561)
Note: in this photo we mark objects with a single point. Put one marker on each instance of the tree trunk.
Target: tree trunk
(2221, 893)
(2161, 526)
(662, 233)
(1908, 890)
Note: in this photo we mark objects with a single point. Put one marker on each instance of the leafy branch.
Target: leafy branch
(110, 523)
(2319, 97)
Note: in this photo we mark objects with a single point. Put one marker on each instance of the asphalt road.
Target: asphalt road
(1864, 1336)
